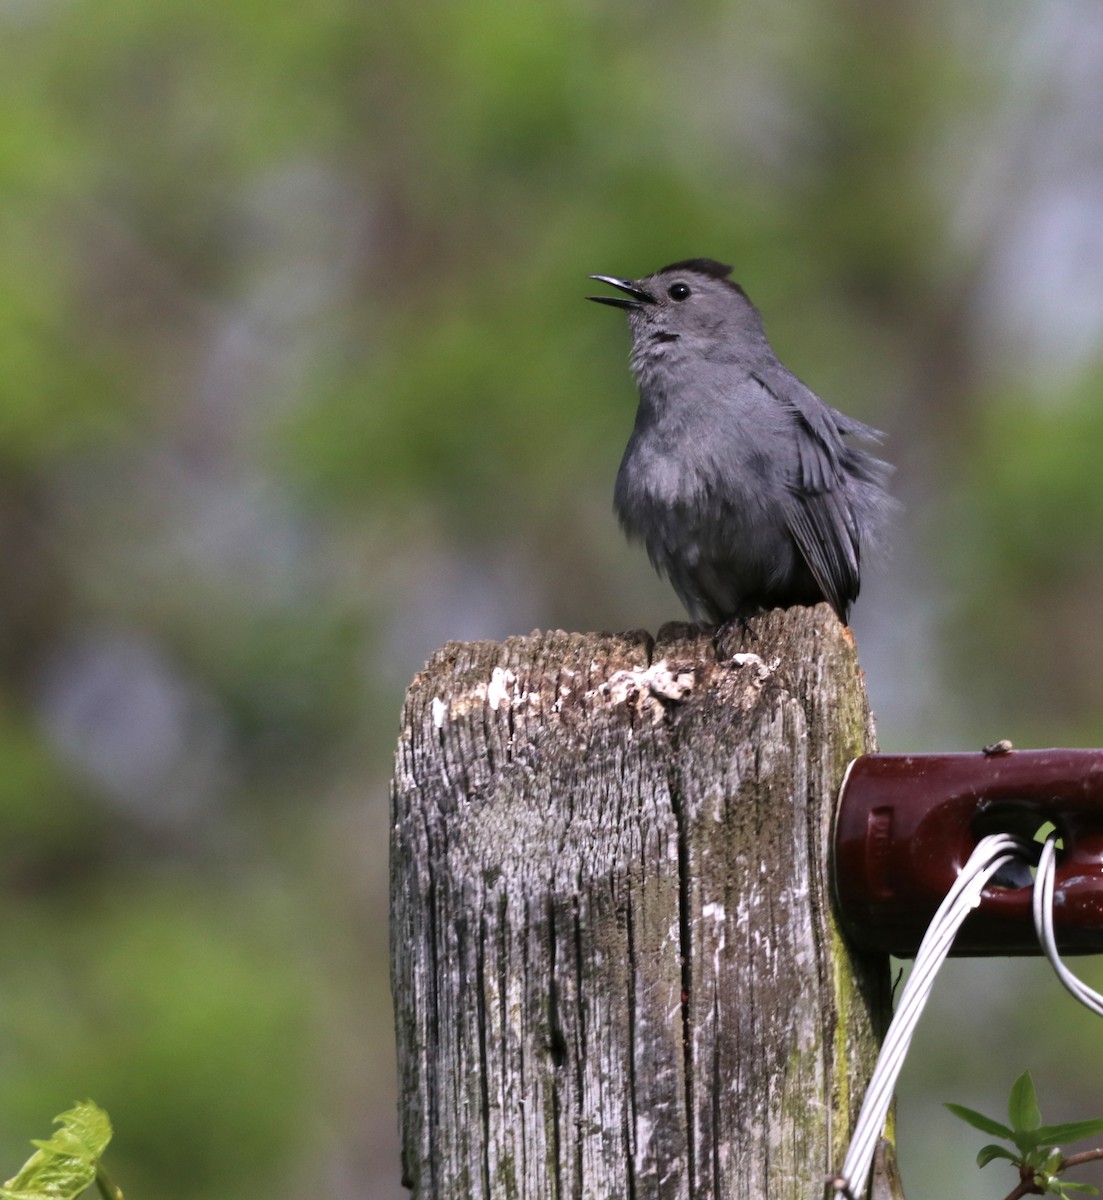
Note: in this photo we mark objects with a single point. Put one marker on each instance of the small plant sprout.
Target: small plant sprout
(68, 1162)
(1035, 1149)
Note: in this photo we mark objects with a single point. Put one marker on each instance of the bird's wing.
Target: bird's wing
(818, 510)
(824, 530)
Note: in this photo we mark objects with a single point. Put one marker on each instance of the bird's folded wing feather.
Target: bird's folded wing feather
(818, 512)
(823, 528)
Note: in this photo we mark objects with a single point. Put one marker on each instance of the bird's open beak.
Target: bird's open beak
(638, 296)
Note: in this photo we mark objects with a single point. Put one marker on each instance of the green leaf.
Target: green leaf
(987, 1153)
(1073, 1131)
(65, 1163)
(979, 1121)
(1077, 1187)
(1027, 1142)
(1022, 1107)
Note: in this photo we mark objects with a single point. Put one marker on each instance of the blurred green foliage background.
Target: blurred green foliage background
(296, 382)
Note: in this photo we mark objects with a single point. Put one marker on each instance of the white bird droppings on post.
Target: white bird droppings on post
(500, 690)
(649, 689)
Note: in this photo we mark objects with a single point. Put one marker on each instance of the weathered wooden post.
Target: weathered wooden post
(615, 966)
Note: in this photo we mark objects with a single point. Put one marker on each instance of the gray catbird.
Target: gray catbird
(736, 476)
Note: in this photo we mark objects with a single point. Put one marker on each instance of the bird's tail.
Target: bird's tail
(867, 487)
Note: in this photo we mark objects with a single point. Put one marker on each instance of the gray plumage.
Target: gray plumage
(737, 478)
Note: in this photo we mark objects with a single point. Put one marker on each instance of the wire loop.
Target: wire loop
(1043, 925)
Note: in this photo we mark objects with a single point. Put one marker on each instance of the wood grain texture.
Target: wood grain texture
(615, 968)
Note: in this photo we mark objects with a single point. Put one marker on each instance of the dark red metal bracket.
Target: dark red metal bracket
(907, 823)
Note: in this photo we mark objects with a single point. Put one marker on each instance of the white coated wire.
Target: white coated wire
(1043, 924)
(990, 854)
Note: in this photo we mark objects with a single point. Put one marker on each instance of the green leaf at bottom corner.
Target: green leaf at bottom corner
(987, 1153)
(1091, 1189)
(64, 1164)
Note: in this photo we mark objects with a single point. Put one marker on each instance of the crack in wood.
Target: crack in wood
(685, 952)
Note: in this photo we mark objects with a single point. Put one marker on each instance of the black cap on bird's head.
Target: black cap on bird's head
(702, 266)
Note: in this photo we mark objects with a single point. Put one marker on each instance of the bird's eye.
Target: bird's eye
(678, 291)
